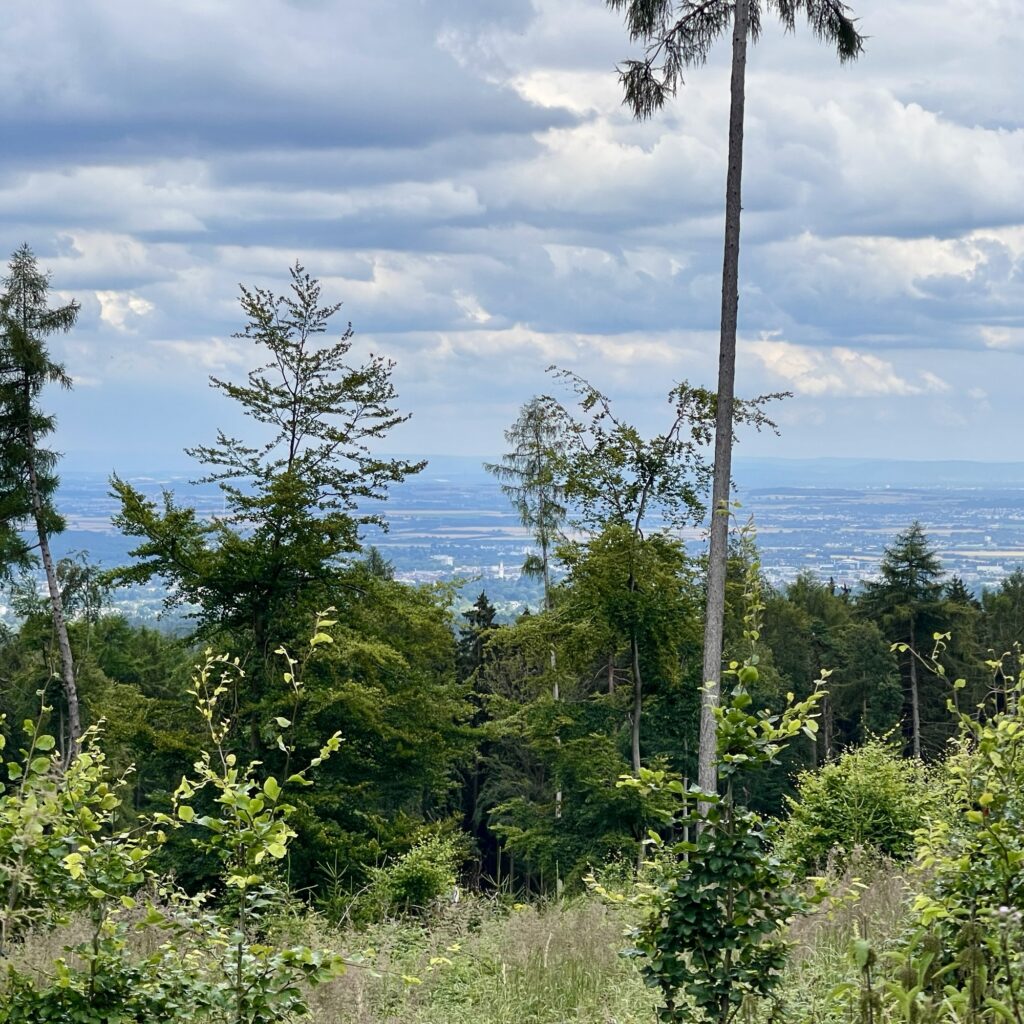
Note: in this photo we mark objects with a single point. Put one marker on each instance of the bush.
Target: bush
(870, 798)
(415, 880)
(965, 958)
(64, 849)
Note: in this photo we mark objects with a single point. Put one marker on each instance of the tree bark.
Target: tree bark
(638, 703)
(719, 547)
(828, 723)
(67, 664)
(556, 696)
(915, 701)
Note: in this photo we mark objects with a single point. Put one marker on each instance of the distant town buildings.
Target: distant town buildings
(442, 533)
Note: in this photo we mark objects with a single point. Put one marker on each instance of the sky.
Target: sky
(462, 175)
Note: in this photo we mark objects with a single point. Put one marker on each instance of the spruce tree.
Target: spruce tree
(28, 479)
(474, 635)
(1003, 619)
(905, 601)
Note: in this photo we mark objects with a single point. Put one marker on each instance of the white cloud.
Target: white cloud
(119, 309)
(839, 371)
(1002, 337)
(474, 191)
(212, 355)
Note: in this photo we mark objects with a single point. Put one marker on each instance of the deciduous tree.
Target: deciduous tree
(295, 497)
(531, 476)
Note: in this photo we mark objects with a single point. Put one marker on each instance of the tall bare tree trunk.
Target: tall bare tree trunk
(915, 698)
(719, 547)
(638, 703)
(556, 696)
(60, 625)
(638, 707)
(828, 724)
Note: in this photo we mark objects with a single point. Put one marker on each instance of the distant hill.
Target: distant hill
(756, 472)
(760, 472)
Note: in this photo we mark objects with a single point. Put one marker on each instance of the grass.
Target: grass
(483, 961)
(480, 963)
(869, 902)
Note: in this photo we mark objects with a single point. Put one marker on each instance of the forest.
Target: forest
(670, 791)
(330, 752)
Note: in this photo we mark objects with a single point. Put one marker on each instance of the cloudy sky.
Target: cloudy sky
(462, 175)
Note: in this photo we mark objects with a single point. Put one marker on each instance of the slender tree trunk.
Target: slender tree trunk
(556, 696)
(547, 573)
(638, 702)
(611, 673)
(638, 706)
(915, 702)
(828, 721)
(719, 547)
(60, 625)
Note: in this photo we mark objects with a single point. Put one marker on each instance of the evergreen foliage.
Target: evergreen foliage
(25, 369)
(906, 602)
(28, 476)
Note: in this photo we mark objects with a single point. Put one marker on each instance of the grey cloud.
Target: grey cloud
(462, 175)
(99, 81)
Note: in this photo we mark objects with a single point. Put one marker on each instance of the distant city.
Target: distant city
(451, 524)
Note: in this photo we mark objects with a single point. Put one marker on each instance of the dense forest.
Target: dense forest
(330, 745)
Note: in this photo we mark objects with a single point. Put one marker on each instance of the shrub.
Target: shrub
(415, 880)
(965, 958)
(870, 798)
(64, 849)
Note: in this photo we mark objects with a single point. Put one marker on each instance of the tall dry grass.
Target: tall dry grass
(870, 901)
(484, 962)
(480, 963)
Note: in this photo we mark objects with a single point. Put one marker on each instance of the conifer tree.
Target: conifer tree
(27, 468)
(679, 34)
(1003, 620)
(905, 600)
(474, 635)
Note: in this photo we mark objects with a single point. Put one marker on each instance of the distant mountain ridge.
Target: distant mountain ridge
(766, 471)
(751, 472)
